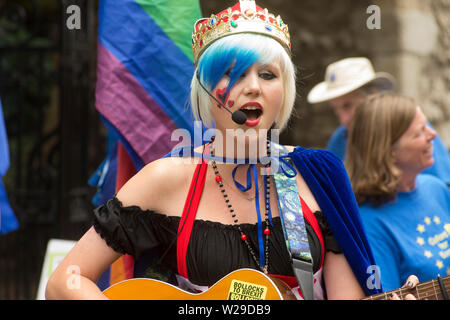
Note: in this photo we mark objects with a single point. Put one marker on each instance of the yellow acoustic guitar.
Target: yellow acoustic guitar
(242, 284)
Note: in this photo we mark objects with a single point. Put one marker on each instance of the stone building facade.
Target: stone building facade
(412, 43)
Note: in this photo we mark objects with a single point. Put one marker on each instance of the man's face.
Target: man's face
(344, 107)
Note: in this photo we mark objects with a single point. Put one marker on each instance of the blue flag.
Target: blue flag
(8, 221)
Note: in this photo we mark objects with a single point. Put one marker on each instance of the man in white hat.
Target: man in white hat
(347, 83)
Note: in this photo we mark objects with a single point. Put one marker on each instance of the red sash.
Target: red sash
(190, 211)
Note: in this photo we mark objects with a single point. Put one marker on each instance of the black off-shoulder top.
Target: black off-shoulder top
(215, 249)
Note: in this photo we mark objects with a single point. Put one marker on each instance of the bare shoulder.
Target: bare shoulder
(158, 184)
(290, 148)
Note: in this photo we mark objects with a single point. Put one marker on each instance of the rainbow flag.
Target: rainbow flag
(145, 66)
(8, 221)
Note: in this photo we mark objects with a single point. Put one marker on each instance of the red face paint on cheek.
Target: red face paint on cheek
(220, 94)
(230, 103)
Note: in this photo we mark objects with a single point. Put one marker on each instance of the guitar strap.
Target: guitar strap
(294, 229)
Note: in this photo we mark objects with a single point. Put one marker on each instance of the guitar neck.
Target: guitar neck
(435, 289)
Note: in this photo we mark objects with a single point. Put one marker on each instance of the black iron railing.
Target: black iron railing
(47, 81)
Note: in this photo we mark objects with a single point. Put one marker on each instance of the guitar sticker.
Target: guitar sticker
(241, 290)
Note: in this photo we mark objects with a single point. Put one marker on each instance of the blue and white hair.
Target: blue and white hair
(240, 51)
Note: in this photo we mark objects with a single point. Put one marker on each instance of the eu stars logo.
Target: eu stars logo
(420, 228)
(433, 238)
(447, 227)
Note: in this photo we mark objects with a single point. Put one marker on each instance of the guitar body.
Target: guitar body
(242, 284)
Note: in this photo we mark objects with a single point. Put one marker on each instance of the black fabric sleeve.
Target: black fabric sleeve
(331, 243)
(131, 230)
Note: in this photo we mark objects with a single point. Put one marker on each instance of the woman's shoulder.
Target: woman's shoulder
(158, 181)
(432, 187)
(309, 151)
(314, 155)
(321, 169)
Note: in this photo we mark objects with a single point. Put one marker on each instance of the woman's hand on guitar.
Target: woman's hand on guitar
(410, 283)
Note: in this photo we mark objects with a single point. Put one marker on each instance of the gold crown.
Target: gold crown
(243, 17)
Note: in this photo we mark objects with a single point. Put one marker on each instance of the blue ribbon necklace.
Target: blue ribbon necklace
(263, 235)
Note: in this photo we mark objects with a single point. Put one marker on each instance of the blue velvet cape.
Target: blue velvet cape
(328, 181)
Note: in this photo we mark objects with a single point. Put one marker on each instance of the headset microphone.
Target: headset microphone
(237, 116)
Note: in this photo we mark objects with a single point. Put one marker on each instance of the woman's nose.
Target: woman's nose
(252, 85)
(431, 133)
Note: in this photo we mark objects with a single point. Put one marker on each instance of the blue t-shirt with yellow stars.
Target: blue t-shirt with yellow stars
(411, 235)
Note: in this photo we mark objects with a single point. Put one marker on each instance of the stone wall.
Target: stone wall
(412, 45)
(434, 91)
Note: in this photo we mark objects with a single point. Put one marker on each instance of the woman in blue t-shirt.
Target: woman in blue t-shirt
(406, 214)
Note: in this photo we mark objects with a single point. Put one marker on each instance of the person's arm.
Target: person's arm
(340, 282)
(149, 189)
(76, 276)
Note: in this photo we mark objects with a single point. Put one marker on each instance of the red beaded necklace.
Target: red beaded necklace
(266, 231)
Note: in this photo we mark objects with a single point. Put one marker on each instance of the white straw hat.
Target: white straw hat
(346, 75)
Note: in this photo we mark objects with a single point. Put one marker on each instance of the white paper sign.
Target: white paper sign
(56, 251)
